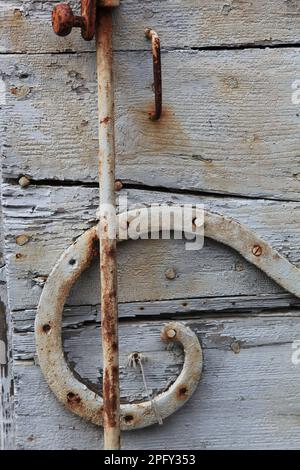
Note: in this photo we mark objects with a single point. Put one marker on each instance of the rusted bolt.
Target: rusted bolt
(64, 20)
(24, 181)
(236, 347)
(19, 256)
(17, 13)
(171, 334)
(46, 328)
(257, 250)
(170, 274)
(22, 240)
(118, 185)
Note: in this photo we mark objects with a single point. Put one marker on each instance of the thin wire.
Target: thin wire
(137, 359)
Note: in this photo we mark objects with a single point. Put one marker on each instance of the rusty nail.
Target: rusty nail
(170, 274)
(257, 250)
(118, 185)
(235, 347)
(64, 20)
(22, 240)
(24, 181)
(150, 34)
(18, 13)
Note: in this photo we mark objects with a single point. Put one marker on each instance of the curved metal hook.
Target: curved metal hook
(151, 34)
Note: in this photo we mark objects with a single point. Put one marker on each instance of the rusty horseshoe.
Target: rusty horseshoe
(48, 325)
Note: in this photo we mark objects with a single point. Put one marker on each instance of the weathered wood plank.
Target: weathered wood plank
(247, 398)
(6, 379)
(52, 217)
(26, 25)
(229, 125)
(166, 309)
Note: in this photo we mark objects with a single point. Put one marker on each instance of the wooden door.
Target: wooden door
(229, 138)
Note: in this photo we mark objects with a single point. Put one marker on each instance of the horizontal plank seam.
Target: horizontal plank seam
(293, 312)
(185, 300)
(31, 356)
(284, 296)
(142, 187)
(221, 47)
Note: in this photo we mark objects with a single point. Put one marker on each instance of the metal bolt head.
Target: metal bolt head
(24, 181)
(257, 250)
(171, 334)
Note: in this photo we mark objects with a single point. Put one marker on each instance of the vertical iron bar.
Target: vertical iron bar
(107, 236)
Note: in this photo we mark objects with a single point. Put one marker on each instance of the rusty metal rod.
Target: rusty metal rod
(155, 41)
(107, 235)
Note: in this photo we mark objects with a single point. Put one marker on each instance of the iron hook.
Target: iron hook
(151, 34)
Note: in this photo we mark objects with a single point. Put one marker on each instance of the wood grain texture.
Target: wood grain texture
(6, 376)
(26, 25)
(53, 217)
(229, 125)
(246, 399)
